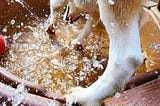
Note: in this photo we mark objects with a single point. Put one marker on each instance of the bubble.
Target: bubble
(13, 22)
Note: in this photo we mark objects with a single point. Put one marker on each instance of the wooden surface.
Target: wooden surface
(148, 93)
(144, 90)
(37, 90)
(144, 95)
(8, 94)
(143, 78)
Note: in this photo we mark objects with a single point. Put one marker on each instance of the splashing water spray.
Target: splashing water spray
(28, 8)
(33, 15)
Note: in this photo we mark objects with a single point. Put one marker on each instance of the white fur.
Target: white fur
(89, 6)
(54, 4)
(124, 58)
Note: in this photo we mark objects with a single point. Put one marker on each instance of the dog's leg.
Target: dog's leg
(65, 17)
(54, 4)
(91, 23)
(92, 20)
(52, 19)
(124, 58)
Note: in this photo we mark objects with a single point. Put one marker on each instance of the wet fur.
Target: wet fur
(125, 10)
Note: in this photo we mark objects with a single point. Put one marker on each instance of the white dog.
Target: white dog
(121, 20)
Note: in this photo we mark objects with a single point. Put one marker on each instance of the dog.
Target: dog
(121, 21)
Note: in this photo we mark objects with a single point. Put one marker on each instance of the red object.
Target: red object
(2, 45)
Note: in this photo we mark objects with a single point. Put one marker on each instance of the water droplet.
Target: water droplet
(111, 2)
(12, 22)
(19, 95)
(125, 97)
(22, 24)
(4, 29)
(4, 104)
(72, 67)
(156, 72)
(117, 95)
(93, 26)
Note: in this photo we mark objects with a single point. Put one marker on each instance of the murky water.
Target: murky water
(54, 63)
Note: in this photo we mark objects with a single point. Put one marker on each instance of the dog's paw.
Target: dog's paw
(81, 97)
(77, 45)
(51, 31)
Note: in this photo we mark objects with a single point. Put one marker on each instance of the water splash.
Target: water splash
(28, 8)
(56, 66)
(4, 29)
(117, 95)
(19, 95)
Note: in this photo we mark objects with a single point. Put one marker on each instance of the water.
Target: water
(35, 58)
(117, 95)
(19, 95)
(27, 7)
(111, 2)
(12, 22)
(4, 29)
(58, 67)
